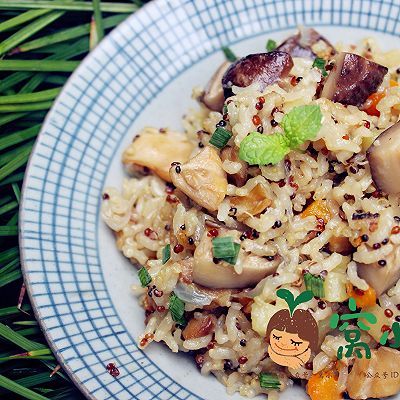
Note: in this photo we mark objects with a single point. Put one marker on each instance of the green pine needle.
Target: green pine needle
(38, 65)
(19, 389)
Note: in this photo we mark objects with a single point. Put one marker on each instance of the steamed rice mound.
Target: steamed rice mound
(332, 171)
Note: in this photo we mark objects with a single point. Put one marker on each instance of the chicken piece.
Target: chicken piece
(156, 151)
(213, 96)
(352, 79)
(253, 204)
(263, 69)
(384, 160)
(366, 379)
(222, 275)
(232, 154)
(381, 278)
(300, 45)
(202, 179)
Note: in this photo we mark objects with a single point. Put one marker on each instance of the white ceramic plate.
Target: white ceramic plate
(141, 74)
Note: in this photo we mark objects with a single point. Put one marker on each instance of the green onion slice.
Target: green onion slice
(269, 381)
(166, 253)
(320, 64)
(220, 137)
(224, 248)
(144, 277)
(177, 309)
(229, 54)
(271, 45)
(315, 284)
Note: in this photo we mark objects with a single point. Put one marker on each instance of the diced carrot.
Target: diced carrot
(324, 386)
(375, 98)
(318, 208)
(372, 102)
(363, 298)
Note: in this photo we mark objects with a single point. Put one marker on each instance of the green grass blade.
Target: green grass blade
(19, 160)
(10, 277)
(19, 389)
(35, 380)
(44, 95)
(20, 341)
(63, 5)
(6, 119)
(8, 207)
(21, 19)
(19, 137)
(28, 31)
(38, 65)
(9, 254)
(68, 34)
(12, 108)
(18, 177)
(98, 19)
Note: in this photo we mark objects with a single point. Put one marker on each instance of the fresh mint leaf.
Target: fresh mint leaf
(301, 124)
(259, 149)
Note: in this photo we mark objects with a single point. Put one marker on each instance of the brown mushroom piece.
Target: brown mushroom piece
(232, 154)
(353, 79)
(381, 278)
(202, 179)
(363, 386)
(299, 45)
(264, 69)
(156, 151)
(220, 274)
(213, 96)
(384, 160)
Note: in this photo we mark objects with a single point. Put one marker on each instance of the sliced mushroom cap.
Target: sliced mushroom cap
(299, 45)
(232, 154)
(213, 96)
(377, 384)
(382, 278)
(384, 160)
(202, 179)
(263, 69)
(352, 79)
(223, 275)
(156, 151)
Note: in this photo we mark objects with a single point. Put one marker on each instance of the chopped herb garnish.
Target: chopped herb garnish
(229, 54)
(220, 137)
(224, 248)
(144, 277)
(269, 381)
(177, 309)
(271, 45)
(166, 253)
(315, 284)
(320, 64)
(225, 109)
(299, 125)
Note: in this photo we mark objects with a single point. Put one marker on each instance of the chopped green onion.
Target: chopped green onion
(271, 45)
(320, 64)
(224, 248)
(166, 253)
(144, 277)
(315, 284)
(177, 309)
(229, 54)
(269, 381)
(220, 137)
(225, 109)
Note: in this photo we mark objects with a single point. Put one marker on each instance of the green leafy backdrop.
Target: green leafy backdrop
(41, 43)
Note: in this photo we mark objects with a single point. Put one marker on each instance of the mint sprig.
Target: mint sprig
(299, 125)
